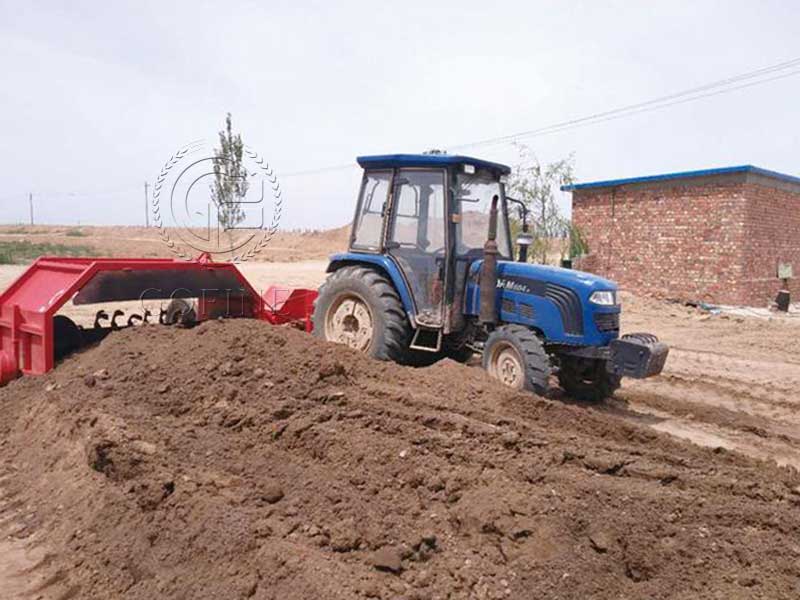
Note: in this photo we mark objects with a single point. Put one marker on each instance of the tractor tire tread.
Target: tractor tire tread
(603, 386)
(534, 355)
(396, 327)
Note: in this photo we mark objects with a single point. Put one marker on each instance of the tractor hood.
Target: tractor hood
(526, 277)
(578, 281)
(556, 301)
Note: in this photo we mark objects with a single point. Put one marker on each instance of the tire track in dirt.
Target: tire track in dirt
(719, 399)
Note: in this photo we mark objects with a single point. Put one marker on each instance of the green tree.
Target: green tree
(578, 245)
(230, 179)
(536, 185)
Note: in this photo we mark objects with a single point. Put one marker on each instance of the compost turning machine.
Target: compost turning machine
(33, 336)
(429, 273)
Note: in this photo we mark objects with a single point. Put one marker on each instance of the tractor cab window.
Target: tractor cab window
(416, 238)
(473, 195)
(371, 207)
(419, 214)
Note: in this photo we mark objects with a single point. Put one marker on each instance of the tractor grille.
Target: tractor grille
(523, 310)
(607, 322)
(569, 306)
(526, 311)
(566, 301)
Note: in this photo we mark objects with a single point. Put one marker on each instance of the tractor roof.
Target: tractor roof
(392, 161)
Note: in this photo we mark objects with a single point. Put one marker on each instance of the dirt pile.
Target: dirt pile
(238, 460)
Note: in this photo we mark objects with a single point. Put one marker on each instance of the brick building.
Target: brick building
(718, 235)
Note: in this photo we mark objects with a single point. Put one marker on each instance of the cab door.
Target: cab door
(417, 239)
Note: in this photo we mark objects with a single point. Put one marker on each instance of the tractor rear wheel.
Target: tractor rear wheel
(587, 379)
(516, 356)
(359, 307)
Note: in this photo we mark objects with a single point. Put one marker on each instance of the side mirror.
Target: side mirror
(524, 240)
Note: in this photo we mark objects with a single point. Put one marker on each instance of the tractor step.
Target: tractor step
(426, 340)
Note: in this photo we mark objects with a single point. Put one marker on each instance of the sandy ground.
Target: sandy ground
(284, 246)
(731, 381)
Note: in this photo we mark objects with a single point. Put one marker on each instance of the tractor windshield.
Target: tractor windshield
(473, 197)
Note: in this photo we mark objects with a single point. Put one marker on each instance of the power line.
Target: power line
(584, 122)
(319, 170)
(56, 195)
(714, 88)
(688, 95)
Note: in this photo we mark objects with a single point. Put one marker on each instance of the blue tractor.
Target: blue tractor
(430, 273)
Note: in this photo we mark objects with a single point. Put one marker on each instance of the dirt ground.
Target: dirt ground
(239, 460)
(285, 246)
(636, 497)
(730, 381)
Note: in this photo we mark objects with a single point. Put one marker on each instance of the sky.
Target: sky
(96, 96)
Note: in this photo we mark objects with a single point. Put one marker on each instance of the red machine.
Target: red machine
(32, 336)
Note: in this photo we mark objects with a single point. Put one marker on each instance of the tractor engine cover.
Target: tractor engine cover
(637, 355)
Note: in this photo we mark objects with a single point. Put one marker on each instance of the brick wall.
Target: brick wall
(714, 239)
(772, 235)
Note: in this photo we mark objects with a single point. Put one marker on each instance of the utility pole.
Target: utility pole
(146, 206)
(30, 205)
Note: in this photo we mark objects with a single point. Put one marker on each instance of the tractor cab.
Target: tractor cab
(430, 214)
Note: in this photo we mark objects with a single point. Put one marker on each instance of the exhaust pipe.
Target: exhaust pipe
(488, 277)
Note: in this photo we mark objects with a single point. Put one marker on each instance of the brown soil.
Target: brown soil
(240, 460)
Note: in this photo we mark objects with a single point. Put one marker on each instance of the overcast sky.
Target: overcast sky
(95, 96)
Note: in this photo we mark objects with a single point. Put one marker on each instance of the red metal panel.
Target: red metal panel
(28, 305)
(283, 305)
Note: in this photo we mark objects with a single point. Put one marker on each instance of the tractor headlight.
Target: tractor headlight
(604, 298)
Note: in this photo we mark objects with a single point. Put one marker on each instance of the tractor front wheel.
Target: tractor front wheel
(587, 379)
(360, 308)
(516, 357)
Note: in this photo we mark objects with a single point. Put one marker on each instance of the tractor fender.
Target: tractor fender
(383, 264)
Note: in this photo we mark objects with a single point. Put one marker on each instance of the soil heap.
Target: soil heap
(240, 460)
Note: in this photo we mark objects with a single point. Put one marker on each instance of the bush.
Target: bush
(23, 251)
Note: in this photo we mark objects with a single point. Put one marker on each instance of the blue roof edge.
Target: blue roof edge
(682, 175)
(423, 160)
